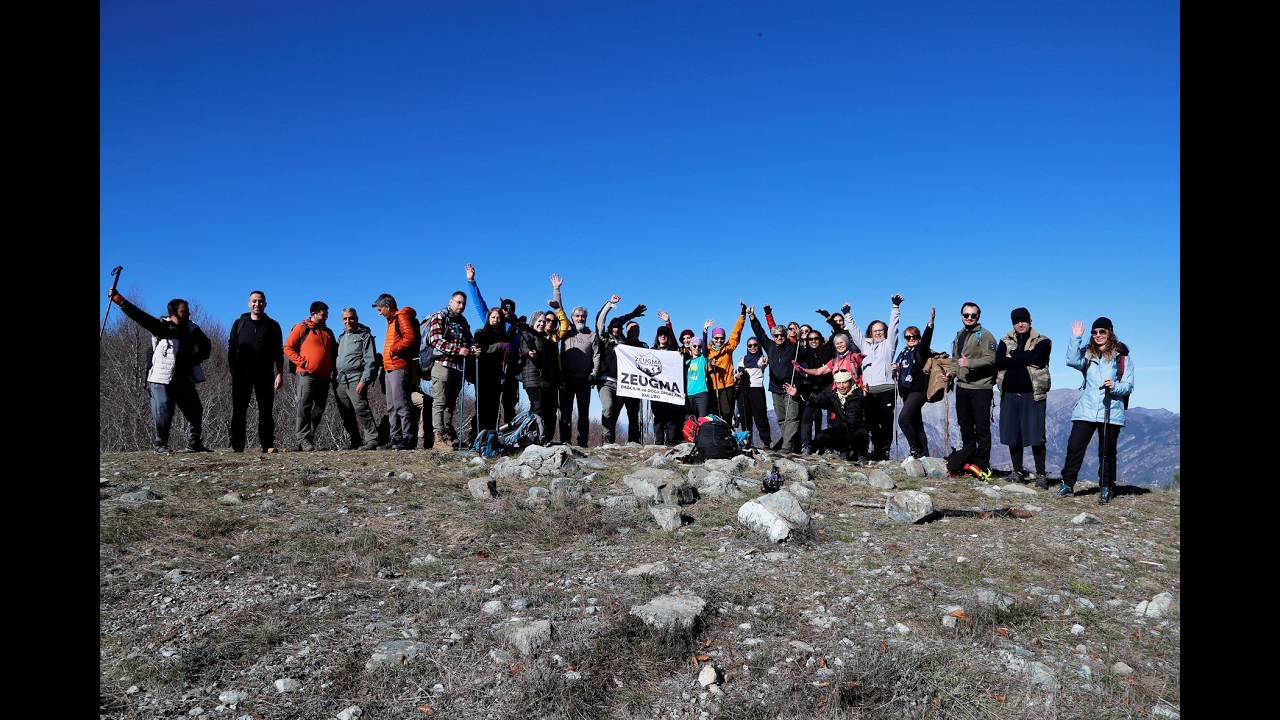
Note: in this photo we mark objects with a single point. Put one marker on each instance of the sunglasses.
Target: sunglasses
(911, 337)
(1100, 332)
(815, 338)
(717, 339)
(969, 316)
(751, 345)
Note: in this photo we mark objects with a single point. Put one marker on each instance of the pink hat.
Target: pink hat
(718, 331)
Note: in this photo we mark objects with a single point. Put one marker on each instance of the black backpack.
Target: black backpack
(289, 367)
(714, 441)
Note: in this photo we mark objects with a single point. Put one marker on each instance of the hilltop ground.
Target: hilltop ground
(279, 586)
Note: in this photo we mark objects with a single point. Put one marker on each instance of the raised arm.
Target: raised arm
(477, 300)
(604, 313)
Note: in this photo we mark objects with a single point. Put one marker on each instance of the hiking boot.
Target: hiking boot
(1016, 477)
(197, 447)
(1042, 481)
(806, 450)
(1064, 490)
(862, 459)
(371, 445)
(162, 450)
(441, 443)
(1105, 495)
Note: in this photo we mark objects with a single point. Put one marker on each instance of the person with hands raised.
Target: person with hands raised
(878, 349)
(696, 386)
(1108, 383)
(607, 371)
(720, 357)
(913, 385)
(751, 375)
(780, 353)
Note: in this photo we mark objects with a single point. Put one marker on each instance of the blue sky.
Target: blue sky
(683, 155)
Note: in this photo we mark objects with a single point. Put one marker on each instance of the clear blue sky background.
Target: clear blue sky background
(684, 155)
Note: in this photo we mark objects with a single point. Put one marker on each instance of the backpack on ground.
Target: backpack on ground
(715, 440)
(524, 430)
(289, 367)
(937, 367)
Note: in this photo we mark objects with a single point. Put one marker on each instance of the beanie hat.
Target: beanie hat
(1104, 323)
(1020, 315)
(686, 332)
(718, 331)
(507, 304)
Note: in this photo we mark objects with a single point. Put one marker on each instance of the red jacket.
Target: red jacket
(401, 346)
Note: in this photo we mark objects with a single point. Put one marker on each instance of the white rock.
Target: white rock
(350, 713)
(284, 685)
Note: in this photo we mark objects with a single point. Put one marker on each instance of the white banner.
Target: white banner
(656, 375)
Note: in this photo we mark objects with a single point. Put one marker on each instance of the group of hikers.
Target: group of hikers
(831, 393)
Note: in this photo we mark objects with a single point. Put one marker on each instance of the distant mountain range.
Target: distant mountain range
(1149, 450)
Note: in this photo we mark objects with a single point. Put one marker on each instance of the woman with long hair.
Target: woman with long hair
(913, 385)
(1108, 382)
(541, 372)
(668, 418)
(495, 341)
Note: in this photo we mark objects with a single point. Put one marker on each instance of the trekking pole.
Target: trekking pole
(1106, 425)
(115, 273)
(946, 414)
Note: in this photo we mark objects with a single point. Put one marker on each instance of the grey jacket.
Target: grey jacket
(580, 354)
(355, 355)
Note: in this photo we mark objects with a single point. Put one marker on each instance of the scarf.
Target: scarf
(752, 359)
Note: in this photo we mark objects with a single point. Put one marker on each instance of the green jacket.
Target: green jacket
(979, 345)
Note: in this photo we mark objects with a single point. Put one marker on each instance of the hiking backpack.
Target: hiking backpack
(289, 367)
(524, 430)
(714, 440)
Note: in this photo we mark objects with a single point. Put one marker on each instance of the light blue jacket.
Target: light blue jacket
(1090, 406)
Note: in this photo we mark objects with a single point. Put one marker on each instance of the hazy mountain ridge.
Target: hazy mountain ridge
(1149, 449)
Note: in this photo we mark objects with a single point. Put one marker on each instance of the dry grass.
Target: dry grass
(311, 570)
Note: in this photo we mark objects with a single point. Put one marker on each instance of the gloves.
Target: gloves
(768, 309)
(114, 296)
(744, 307)
(795, 364)
(639, 311)
(844, 310)
(896, 300)
(591, 379)
(553, 304)
(823, 313)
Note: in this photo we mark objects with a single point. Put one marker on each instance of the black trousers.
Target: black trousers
(635, 428)
(973, 412)
(878, 409)
(262, 386)
(575, 390)
(542, 402)
(911, 420)
(1082, 432)
(754, 411)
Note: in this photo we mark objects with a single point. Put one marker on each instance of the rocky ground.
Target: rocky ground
(575, 584)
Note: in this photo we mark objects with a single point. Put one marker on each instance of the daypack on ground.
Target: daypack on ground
(524, 430)
(713, 439)
(937, 367)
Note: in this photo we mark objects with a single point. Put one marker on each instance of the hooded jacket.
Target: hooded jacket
(401, 345)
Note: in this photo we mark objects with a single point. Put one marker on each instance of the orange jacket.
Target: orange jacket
(402, 342)
(720, 362)
(317, 354)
